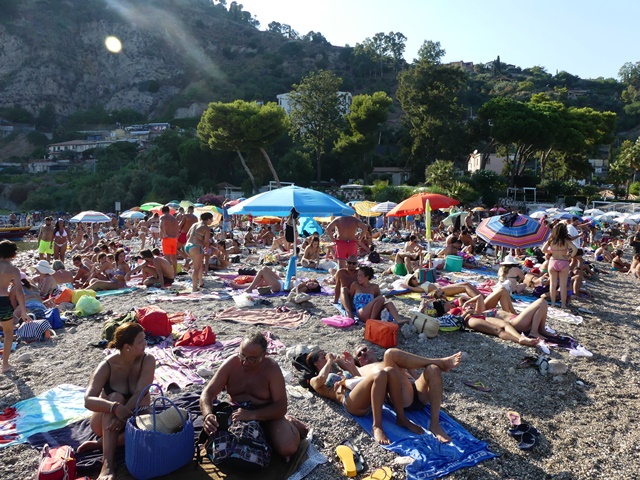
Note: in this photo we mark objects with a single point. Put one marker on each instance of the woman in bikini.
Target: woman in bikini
(367, 300)
(619, 265)
(154, 228)
(510, 275)
(113, 391)
(311, 255)
(268, 278)
(562, 251)
(117, 277)
(198, 238)
(60, 240)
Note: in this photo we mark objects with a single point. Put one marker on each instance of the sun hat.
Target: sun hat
(44, 267)
(510, 260)
(407, 278)
(167, 422)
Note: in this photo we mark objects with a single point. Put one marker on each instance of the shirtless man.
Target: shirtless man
(156, 271)
(418, 390)
(346, 239)
(280, 244)
(169, 230)
(344, 278)
(412, 252)
(45, 239)
(266, 236)
(256, 382)
(82, 276)
(184, 225)
(8, 274)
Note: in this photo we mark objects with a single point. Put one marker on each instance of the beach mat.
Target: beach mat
(263, 316)
(112, 293)
(433, 459)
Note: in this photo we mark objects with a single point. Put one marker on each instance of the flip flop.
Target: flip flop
(523, 428)
(543, 365)
(359, 459)
(478, 386)
(527, 441)
(345, 454)
(383, 473)
(514, 418)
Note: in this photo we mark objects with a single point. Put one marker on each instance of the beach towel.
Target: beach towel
(263, 316)
(189, 297)
(172, 370)
(49, 410)
(433, 459)
(120, 291)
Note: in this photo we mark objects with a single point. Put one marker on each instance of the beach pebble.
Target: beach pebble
(464, 356)
(556, 367)
(72, 330)
(205, 372)
(24, 358)
(558, 379)
(403, 460)
(624, 358)
(580, 382)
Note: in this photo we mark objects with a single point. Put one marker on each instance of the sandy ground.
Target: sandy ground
(588, 418)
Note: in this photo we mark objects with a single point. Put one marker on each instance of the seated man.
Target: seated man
(156, 271)
(255, 383)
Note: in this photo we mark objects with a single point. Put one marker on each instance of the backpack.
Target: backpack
(300, 364)
(374, 257)
(57, 464)
(155, 321)
(52, 315)
(110, 326)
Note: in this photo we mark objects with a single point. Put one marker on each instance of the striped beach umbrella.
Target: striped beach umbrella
(512, 231)
(383, 207)
(90, 216)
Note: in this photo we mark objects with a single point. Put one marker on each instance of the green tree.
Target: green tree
(430, 52)
(440, 174)
(627, 163)
(317, 113)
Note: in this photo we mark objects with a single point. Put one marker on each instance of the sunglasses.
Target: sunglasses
(362, 351)
(352, 263)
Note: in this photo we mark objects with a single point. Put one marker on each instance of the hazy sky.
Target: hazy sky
(586, 38)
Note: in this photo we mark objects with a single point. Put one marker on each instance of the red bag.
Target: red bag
(381, 333)
(197, 338)
(242, 279)
(57, 464)
(154, 320)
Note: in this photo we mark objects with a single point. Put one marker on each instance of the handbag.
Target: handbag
(426, 275)
(57, 464)
(384, 334)
(151, 453)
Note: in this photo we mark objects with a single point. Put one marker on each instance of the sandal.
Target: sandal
(481, 387)
(345, 454)
(383, 473)
(359, 459)
(527, 441)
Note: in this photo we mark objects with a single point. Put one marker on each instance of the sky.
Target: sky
(586, 38)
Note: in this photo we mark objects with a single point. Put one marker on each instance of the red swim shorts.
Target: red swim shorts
(346, 248)
(182, 238)
(169, 246)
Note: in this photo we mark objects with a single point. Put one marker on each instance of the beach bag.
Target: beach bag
(52, 315)
(374, 257)
(425, 324)
(426, 275)
(338, 321)
(242, 279)
(33, 331)
(154, 321)
(247, 271)
(65, 296)
(540, 290)
(240, 445)
(88, 305)
(384, 334)
(156, 452)
(197, 338)
(57, 464)
(450, 323)
(109, 327)
(76, 295)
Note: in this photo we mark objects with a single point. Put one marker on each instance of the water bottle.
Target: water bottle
(384, 316)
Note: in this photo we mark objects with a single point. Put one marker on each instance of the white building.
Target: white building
(494, 163)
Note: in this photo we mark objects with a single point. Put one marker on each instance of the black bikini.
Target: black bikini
(108, 389)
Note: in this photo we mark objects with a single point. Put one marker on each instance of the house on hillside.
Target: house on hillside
(398, 175)
(494, 164)
(284, 101)
(46, 166)
(7, 128)
(76, 147)
(466, 66)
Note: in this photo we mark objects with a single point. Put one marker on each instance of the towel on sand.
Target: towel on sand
(263, 316)
(433, 459)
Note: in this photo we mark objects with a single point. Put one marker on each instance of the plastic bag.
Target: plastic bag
(88, 306)
(244, 300)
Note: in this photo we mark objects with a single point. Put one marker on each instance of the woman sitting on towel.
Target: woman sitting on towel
(117, 278)
(268, 278)
(311, 255)
(367, 300)
(113, 391)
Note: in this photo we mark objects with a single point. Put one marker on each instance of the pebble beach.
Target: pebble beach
(587, 417)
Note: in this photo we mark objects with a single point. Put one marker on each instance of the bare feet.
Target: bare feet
(409, 425)
(380, 436)
(7, 368)
(89, 446)
(529, 342)
(451, 362)
(107, 473)
(439, 433)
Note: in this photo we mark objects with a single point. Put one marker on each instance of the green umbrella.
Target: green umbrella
(150, 206)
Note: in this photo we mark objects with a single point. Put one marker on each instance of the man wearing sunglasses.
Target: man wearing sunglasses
(344, 278)
(255, 383)
(417, 390)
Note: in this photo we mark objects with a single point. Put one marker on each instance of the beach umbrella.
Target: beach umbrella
(458, 217)
(132, 214)
(573, 209)
(634, 216)
(90, 216)
(565, 215)
(135, 209)
(279, 203)
(512, 231)
(147, 207)
(175, 205)
(415, 204)
(198, 204)
(552, 210)
(185, 204)
(308, 225)
(158, 210)
(207, 208)
(478, 209)
(594, 211)
(539, 214)
(384, 207)
(625, 220)
(498, 210)
(267, 220)
(606, 194)
(616, 213)
(605, 217)
(365, 209)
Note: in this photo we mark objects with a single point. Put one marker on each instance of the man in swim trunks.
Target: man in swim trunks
(156, 271)
(344, 278)
(253, 377)
(184, 225)
(45, 239)
(418, 390)
(346, 238)
(8, 274)
(169, 229)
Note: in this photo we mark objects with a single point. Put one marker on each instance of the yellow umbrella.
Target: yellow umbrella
(479, 209)
(217, 216)
(364, 209)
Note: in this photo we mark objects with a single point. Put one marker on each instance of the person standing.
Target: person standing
(61, 240)
(184, 225)
(169, 229)
(9, 274)
(346, 239)
(45, 239)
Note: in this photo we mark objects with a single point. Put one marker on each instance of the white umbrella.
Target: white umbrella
(594, 211)
(635, 216)
(625, 220)
(539, 214)
(132, 214)
(573, 209)
(553, 210)
(90, 216)
(605, 217)
(384, 207)
(616, 213)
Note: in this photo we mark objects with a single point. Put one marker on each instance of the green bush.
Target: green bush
(634, 188)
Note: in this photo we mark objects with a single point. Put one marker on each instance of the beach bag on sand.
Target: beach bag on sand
(154, 320)
(52, 315)
(384, 334)
(33, 331)
(65, 296)
(241, 445)
(78, 294)
(197, 338)
(88, 305)
(109, 327)
(57, 464)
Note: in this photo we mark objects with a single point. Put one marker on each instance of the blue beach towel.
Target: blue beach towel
(120, 291)
(433, 459)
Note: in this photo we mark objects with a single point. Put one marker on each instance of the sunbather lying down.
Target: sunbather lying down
(363, 384)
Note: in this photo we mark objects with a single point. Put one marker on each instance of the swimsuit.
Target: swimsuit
(63, 236)
(170, 246)
(6, 309)
(182, 238)
(189, 246)
(416, 404)
(108, 389)
(344, 404)
(45, 246)
(360, 300)
(558, 265)
(346, 248)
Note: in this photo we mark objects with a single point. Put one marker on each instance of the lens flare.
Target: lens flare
(113, 44)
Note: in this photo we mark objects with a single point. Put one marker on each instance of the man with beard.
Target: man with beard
(344, 278)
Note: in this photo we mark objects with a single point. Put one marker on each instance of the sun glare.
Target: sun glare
(113, 44)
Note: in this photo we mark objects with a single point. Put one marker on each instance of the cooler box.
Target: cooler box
(453, 263)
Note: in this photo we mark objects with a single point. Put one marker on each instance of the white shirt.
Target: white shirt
(573, 231)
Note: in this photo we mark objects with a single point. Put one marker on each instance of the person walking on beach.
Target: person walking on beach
(9, 274)
(169, 230)
(45, 239)
(346, 239)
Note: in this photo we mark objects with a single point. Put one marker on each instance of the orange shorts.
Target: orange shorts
(169, 246)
